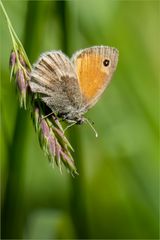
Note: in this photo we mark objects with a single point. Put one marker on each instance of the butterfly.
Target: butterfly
(70, 87)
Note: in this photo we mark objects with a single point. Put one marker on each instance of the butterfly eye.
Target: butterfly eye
(106, 62)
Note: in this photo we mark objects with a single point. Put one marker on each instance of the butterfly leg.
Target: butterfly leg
(52, 113)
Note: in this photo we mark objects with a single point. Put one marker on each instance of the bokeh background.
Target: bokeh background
(115, 195)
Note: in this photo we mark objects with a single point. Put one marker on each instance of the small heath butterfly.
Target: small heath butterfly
(70, 87)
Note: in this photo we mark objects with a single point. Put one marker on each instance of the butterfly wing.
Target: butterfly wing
(54, 77)
(94, 67)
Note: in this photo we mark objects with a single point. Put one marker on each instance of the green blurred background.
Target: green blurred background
(115, 195)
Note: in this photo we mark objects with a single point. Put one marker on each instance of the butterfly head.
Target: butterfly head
(78, 119)
(73, 116)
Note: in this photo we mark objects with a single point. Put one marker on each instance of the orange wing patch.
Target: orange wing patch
(92, 75)
(94, 67)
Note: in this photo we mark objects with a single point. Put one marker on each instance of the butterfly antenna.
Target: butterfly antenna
(73, 123)
(94, 130)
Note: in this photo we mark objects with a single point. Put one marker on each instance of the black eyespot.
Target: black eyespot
(106, 62)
